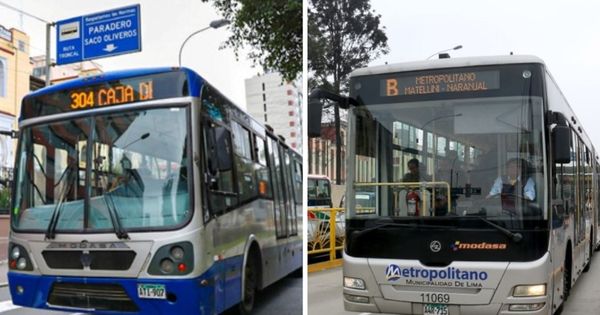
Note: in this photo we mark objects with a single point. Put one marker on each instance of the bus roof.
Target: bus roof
(193, 78)
(446, 63)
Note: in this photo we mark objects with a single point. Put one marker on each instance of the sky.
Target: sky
(165, 25)
(562, 33)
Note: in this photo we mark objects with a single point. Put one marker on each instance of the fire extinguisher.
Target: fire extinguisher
(412, 202)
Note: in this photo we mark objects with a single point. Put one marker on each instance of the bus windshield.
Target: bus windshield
(453, 158)
(83, 169)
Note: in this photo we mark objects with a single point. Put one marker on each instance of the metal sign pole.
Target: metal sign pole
(48, 60)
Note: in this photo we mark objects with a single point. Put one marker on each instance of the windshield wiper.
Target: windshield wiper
(515, 236)
(68, 173)
(385, 223)
(114, 217)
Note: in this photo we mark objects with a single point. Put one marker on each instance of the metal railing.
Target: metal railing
(326, 233)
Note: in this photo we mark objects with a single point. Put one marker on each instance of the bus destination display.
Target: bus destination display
(113, 94)
(440, 83)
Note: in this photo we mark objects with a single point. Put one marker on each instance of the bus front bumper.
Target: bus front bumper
(380, 305)
(111, 295)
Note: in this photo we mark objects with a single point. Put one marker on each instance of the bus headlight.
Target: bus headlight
(21, 263)
(526, 307)
(354, 283)
(167, 266)
(529, 290)
(15, 253)
(177, 252)
(357, 298)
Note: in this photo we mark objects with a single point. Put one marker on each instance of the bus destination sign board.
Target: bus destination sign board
(113, 94)
(106, 92)
(436, 83)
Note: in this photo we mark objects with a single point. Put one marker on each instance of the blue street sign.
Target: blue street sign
(98, 35)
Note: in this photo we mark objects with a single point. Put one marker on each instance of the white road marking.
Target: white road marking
(6, 306)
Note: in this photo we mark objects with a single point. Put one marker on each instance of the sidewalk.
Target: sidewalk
(3, 273)
(325, 292)
(4, 230)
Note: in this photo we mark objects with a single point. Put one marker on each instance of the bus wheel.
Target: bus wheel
(589, 263)
(567, 277)
(250, 284)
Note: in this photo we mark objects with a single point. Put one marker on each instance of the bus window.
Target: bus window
(262, 171)
(246, 178)
(220, 169)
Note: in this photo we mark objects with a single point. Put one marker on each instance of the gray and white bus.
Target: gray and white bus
(485, 185)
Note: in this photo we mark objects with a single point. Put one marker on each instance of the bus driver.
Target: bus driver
(516, 183)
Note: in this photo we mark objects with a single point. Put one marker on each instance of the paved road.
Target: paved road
(282, 298)
(325, 292)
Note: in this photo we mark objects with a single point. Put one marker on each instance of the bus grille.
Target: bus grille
(108, 297)
(99, 260)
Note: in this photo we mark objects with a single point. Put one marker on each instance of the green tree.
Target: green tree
(4, 199)
(272, 28)
(343, 35)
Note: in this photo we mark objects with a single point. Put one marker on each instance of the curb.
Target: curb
(3, 262)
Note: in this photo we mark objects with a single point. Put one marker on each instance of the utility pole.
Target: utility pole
(48, 60)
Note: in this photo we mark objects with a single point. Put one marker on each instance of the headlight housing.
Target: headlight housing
(354, 283)
(175, 259)
(529, 290)
(18, 259)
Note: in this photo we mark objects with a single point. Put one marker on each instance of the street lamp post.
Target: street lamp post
(214, 24)
(445, 50)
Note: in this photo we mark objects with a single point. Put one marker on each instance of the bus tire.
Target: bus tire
(249, 290)
(591, 252)
(567, 279)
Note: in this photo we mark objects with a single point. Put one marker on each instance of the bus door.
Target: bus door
(289, 192)
(279, 204)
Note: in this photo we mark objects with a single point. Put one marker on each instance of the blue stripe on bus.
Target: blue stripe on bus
(222, 292)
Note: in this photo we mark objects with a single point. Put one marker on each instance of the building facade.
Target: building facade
(322, 153)
(278, 104)
(61, 73)
(15, 68)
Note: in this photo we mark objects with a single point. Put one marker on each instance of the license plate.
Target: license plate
(152, 291)
(435, 309)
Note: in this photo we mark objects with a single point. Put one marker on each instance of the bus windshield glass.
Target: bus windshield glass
(452, 160)
(84, 170)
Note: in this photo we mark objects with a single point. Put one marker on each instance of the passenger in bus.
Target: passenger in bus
(515, 184)
(413, 174)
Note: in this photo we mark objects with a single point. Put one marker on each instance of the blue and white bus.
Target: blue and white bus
(148, 191)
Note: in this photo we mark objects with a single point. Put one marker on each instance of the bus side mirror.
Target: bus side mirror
(561, 144)
(315, 111)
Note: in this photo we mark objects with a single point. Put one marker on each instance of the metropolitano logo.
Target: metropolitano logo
(392, 272)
